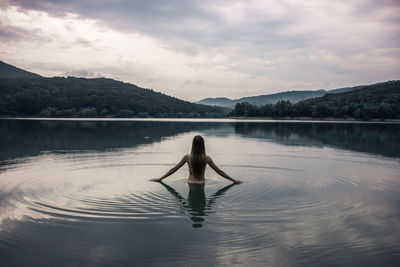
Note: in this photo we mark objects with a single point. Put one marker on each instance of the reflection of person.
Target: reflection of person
(197, 161)
(196, 205)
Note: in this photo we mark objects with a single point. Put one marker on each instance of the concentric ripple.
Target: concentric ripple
(297, 204)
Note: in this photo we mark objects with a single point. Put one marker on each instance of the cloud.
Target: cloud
(199, 24)
(83, 42)
(83, 74)
(233, 47)
(11, 33)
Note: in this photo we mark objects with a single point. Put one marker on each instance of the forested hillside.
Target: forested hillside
(377, 101)
(80, 97)
(9, 71)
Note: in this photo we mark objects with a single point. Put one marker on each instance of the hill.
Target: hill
(80, 97)
(9, 71)
(292, 96)
(376, 101)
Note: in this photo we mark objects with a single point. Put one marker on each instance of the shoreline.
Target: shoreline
(328, 119)
(227, 119)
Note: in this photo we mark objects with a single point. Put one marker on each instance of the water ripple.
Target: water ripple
(305, 204)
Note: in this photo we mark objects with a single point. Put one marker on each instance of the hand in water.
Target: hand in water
(159, 180)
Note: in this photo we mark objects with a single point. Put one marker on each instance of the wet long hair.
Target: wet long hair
(198, 155)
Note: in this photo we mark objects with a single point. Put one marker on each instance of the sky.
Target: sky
(208, 48)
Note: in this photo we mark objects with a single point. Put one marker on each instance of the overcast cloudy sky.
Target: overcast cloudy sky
(196, 49)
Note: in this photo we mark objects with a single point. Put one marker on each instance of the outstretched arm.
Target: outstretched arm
(174, 169)
(221, 172)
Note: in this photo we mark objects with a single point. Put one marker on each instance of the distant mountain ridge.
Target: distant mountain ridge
(292, 96)
(10, 71)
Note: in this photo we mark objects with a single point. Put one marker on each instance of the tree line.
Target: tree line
(101, 97)
(378, 101)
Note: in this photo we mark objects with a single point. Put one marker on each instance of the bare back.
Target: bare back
(195, 177)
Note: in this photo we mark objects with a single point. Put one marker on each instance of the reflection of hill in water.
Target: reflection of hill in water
(383, 139)
(20, 138)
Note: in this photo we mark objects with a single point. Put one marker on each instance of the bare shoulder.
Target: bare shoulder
(186, 157)
(208, 159)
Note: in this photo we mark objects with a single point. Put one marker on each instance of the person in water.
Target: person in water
(197, 161)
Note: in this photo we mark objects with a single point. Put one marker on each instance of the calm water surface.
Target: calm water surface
(77, 193)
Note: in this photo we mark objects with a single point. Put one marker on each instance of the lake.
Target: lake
(77, 193)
